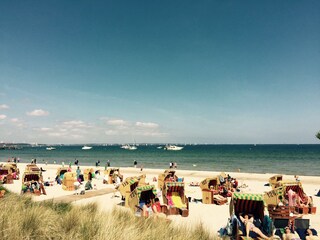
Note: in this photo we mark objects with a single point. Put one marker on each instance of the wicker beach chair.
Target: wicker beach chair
(168, 175)
(252, 205)
(111, 175)
(174, 197)
(208, 192)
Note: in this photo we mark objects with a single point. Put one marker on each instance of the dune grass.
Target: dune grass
(22, 218)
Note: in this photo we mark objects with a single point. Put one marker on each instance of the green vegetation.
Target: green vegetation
(318, 135)
(22, 218)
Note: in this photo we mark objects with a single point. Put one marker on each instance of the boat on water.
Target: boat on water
(129, 147)
(51, 148)
(172, 148)
(86, 148)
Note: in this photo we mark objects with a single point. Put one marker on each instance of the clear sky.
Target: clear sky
(160, 71)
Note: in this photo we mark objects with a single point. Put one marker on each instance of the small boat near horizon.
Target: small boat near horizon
(51, 148)
(129, 147)
(86, 148)
(172, 148)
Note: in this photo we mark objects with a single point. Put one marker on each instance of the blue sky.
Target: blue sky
(159, 71)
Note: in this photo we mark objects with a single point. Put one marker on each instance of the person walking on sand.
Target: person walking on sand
(135, 163)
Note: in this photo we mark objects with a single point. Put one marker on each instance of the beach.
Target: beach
(211, 216)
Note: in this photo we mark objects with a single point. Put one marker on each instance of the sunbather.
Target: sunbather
(288, 235)
(248, 222)
(310, 236)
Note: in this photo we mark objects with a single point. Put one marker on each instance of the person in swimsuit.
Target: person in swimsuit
(248, 222)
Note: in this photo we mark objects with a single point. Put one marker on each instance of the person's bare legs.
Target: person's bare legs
(247, 229)
(258, 231)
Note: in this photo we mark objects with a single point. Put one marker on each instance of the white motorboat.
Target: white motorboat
(129, 147)
(50, 148)
(86, 148)
(172, 148)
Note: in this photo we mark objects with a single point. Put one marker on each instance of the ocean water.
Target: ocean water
(282, 159)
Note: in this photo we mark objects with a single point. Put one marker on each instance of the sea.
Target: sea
(302, 159)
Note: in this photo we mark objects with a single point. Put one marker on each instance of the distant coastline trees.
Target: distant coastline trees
(318, 135)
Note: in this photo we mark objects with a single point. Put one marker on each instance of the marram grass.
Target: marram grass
(22, 218)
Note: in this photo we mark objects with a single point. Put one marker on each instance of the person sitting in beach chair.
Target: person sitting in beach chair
(88, 185)
(156, 208)
(146, 209)
(249, 226)
(311, 234)
(289, 235)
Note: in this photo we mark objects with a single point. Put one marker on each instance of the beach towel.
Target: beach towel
(177, 200)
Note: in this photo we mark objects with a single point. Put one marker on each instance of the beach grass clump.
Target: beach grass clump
(22, 218)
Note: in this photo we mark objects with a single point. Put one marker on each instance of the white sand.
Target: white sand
(213, 217)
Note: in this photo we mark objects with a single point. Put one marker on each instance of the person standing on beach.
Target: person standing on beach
(78, 171)
(135, 163)
(108, 163)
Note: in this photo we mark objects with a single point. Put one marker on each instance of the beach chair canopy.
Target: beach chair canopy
(274, 179)
(206, 183)
(128, 185)
(4, 171)
(141, 194)
(112, 170)
(169, 173)
(32, 168)
(280, 192)
(13, 167)
(61, 171)
(247, 203)
(174, 186)
(28, 177)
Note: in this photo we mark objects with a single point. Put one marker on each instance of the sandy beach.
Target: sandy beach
(212, 216)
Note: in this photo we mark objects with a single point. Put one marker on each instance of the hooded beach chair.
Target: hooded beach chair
(61, 171)
(174, 197)
(274, 180)
(280, 193)
(207, 192)
(68, 181)
(6, 176)
(128, 186)
(168, 175)
(252, 205)
(111, 174)
(86, 173)
(14, 169)
(138, 197)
